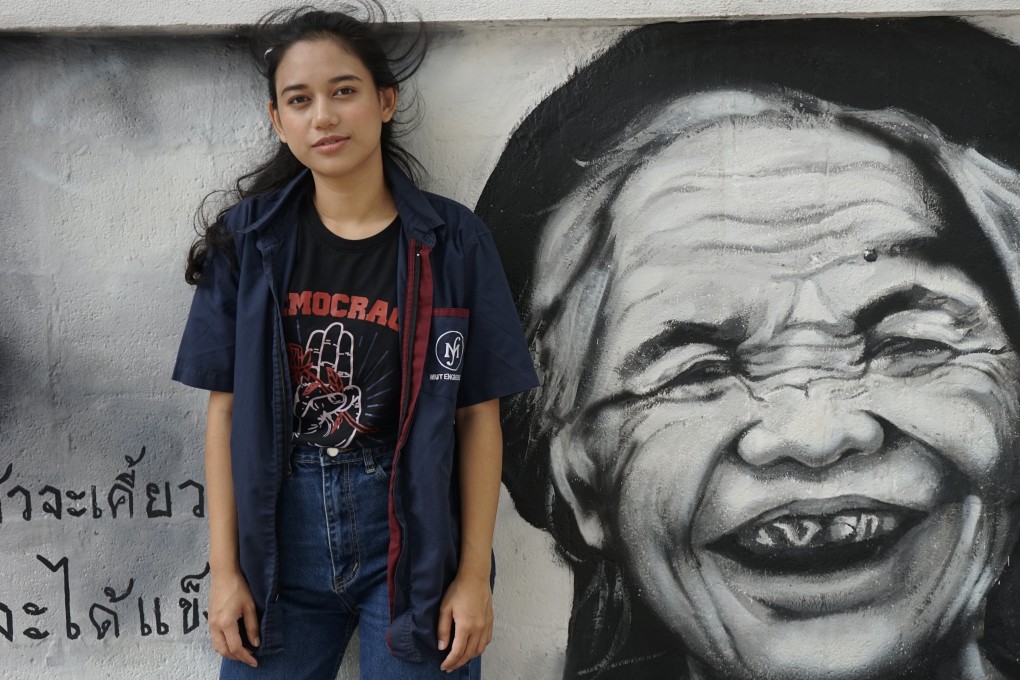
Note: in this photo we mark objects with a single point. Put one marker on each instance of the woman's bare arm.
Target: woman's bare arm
(467, 604)
(230, 599)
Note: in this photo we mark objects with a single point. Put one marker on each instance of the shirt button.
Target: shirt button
(332, 451)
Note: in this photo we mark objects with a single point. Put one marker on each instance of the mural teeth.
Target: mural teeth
(798, 532)
(868, 527)
(803, 532)
(787, 532)
(842, 527)
(861, 526)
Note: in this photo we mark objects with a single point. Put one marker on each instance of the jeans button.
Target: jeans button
(332, 451)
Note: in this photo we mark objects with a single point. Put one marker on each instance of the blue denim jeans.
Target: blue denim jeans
(333, 532)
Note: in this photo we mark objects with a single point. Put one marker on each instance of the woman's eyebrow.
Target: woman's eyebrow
(334, 79)
(677, 333)
(914, 298)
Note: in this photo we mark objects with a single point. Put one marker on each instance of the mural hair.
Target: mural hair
(391, 52)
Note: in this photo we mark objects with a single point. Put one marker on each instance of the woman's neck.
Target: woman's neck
(355, 207)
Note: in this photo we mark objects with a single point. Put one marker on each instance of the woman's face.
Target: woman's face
(329, 111)
(808, 428)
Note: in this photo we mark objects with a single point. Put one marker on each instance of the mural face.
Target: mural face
(775, 487)
(779, 419)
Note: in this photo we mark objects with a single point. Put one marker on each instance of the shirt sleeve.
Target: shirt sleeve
(205, 358)
(497, 362)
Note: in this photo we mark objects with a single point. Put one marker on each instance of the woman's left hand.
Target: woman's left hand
(466, 612)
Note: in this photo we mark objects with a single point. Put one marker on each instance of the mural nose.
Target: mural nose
(809, 428)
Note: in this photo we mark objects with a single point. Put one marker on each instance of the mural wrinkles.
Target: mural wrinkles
(769, 274)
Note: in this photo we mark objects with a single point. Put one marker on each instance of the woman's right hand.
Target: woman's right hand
(230, 602)
(230, 599)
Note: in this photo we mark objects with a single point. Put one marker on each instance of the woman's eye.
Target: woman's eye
(299, 99)
(345, 91)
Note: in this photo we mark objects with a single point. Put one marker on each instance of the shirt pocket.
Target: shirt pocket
(448, 338)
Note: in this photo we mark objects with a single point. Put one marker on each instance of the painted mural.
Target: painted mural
(770, 275)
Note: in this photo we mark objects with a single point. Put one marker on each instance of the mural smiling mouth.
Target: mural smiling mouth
(817, 542)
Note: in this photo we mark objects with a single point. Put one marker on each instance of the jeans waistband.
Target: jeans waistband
(334, 455)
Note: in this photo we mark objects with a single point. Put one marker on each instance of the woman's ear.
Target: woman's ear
(274, 116)
(388, 102)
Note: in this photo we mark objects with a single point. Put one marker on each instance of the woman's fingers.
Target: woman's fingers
(235, 647)
(251, 623)
(231, 611)
(458, 652)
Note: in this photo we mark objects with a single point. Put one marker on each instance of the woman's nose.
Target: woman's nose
(324, 114)
(809, 426)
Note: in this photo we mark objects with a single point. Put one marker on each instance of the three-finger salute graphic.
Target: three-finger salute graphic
(322, 373)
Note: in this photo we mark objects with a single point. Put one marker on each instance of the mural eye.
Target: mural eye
(706, 370)
(918, 347)
(907, 356)
(688, 367)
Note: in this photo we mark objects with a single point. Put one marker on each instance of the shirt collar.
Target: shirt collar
(418, 218)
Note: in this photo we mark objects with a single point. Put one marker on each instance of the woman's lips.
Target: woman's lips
(331, 143)
(817, 536)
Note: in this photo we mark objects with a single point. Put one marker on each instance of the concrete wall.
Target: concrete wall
(49, 15)
(109, 144)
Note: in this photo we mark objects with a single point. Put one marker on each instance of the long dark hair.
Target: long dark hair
(392, 53)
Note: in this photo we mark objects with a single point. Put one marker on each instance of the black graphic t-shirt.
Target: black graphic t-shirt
(340, 324)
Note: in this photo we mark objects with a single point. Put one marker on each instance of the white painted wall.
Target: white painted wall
(108, 145)
(47, 15)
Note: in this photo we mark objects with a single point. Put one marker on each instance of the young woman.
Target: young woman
(355, 334)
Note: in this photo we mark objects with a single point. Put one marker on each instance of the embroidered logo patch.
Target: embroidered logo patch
(450, 350)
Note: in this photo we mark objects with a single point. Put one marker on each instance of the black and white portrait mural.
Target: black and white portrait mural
(770, 275)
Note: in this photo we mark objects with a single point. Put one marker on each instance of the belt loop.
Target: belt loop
(366, 455)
